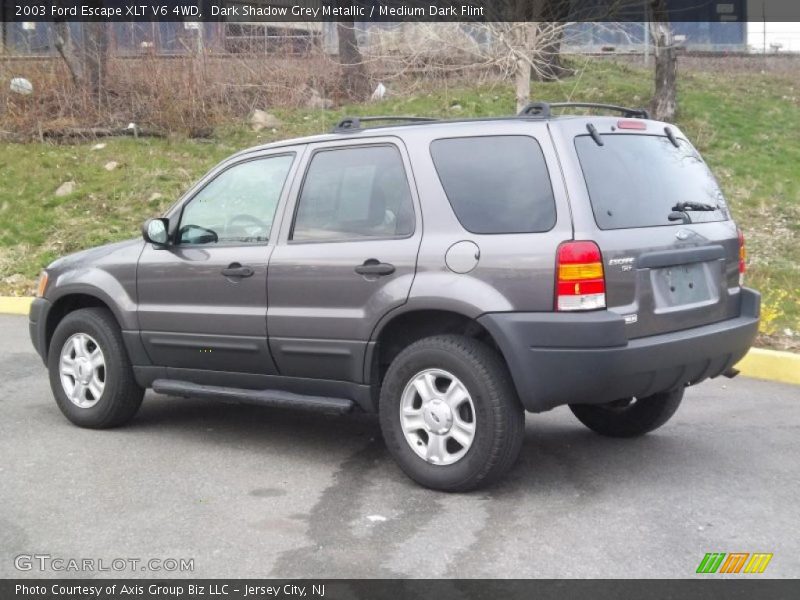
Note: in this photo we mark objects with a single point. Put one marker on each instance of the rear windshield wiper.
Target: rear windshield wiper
(693, 206)
(680, 212)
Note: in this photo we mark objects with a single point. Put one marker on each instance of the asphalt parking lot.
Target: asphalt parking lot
(254, 492)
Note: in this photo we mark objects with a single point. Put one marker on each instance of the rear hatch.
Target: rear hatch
(670, 249)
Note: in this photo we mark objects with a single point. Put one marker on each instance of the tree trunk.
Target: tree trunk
(87, 61)
(525, 38)
(355, 83)
(552, 69)
(664, 105)
(522, 81)
(553, 13)
(63, 43)
(95, 40)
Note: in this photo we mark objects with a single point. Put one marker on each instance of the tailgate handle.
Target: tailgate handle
(685, 256)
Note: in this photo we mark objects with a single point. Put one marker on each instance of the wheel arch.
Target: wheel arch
(400, 329)
(68, 303)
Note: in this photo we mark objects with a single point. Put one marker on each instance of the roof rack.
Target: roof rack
(538, 110)
(542, 109)
(535, 109)
(350, 124)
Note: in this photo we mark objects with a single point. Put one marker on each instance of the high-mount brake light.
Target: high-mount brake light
(742, 257)
(580, 281)
(632, 124)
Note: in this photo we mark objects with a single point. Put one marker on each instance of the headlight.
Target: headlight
(42, 284)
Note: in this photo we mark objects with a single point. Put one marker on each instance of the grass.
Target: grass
(744, 123)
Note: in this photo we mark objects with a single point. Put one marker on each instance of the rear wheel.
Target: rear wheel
(629, 417)
(450, 414)
(90, 373)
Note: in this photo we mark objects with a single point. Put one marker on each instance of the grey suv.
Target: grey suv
(448, 275)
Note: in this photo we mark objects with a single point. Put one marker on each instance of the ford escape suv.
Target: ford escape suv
(448, 275)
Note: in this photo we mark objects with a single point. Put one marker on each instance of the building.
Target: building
(693, 36)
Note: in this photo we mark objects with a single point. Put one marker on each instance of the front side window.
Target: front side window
(238, 206)
(354, 193)
(496, 184)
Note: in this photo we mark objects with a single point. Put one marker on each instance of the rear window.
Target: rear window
(636, 180)
(496, 184)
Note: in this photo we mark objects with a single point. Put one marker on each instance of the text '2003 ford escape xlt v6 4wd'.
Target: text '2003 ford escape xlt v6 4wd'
(447, 274)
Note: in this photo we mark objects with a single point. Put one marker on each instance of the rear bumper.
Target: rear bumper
(565, 358)
(37, 325)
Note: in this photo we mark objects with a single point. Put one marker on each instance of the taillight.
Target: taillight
(742, 257)
(580, 282)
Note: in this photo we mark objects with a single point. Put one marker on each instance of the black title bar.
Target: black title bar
(399, 10)
(745, 588)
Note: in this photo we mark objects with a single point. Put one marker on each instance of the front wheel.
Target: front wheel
(449, 413)
(90, 373)
(630, 417)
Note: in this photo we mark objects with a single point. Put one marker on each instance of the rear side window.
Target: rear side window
(354, 193)
(496, 184)
(636, 180)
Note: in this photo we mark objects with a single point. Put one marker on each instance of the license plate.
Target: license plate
(682, 284)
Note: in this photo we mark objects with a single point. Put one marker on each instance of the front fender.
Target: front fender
(99, 283)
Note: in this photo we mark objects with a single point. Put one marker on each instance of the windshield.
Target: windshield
(638, 180)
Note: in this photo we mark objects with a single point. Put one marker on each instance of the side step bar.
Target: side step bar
(276, 398)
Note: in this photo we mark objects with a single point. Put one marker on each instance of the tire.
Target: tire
(105, 397)
(490, 409)
(629, 418)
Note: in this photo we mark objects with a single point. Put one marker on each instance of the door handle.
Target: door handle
(237, 270)
(374, 267)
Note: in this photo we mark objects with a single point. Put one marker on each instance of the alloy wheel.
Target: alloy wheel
(438, 416)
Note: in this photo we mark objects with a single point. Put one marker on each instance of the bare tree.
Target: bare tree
(664, 105)
(86, 61)
(552, 69)
(521, 40)
(95, 52)
(524, 42)
(65, 47)
(515, 50)
(537, 32)
(355, 81)
(526, 37)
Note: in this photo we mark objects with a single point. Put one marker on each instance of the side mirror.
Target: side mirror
(156, 231)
